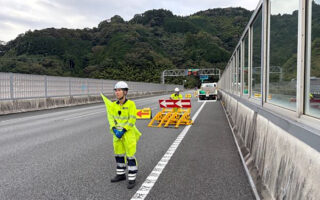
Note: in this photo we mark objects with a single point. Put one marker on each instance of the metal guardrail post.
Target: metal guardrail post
(102, 85)
(70, 87)
(88, 92)
(46, 86)
(19, 82)
(11, 86)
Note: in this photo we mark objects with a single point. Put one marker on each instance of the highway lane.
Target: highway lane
(67, 153)
(206, 164)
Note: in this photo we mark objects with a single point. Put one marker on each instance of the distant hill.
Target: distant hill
(139, 49)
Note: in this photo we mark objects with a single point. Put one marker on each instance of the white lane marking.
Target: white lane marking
(41, 116)
(207, 100)
(147, 185)
(254, 189)
(80, 116)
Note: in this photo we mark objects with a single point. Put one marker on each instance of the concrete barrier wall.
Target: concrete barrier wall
(25, 105)
(282, 166)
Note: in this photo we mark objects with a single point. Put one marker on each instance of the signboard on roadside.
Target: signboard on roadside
(183, 103)
(204, 77)
(144, 113)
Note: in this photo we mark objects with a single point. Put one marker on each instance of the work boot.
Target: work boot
(131, 184)
(118, 178)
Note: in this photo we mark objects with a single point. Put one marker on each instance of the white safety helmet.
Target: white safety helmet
(121, 85)
(176, 90)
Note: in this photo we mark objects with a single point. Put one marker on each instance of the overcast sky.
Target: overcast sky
(19, 16)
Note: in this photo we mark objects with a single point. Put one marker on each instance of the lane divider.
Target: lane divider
(147, 185)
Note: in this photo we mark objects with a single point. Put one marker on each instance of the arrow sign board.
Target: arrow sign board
(144, 113)
(183, 103)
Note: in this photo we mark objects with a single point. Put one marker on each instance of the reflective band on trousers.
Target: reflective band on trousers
(131, 177)
(120, 171)
(132, 168)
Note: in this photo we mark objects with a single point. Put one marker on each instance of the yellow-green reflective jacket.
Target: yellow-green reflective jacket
(123, 116)
(174, 96)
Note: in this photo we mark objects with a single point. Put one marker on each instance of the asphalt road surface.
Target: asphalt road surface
(67, 153)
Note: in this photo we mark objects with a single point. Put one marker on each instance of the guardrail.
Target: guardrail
(25, 86)
(270, 89)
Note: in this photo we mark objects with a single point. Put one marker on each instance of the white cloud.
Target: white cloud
(284, 6)
(8, 29)
(18, 16)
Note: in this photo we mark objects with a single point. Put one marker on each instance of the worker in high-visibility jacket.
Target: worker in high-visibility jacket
(176, 96)
(122, 117)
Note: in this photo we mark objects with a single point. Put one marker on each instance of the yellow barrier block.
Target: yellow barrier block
(188, 96)
(173, 119)
(144, 113)
(158, 117)
(165, 118)
(184, 119)
(169, 117)
(258, 95)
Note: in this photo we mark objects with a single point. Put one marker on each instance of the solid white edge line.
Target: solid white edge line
(253, 186)
(147, 185)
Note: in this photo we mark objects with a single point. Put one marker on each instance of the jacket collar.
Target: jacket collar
(118, 102)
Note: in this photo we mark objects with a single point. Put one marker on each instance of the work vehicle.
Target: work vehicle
(208, 91)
